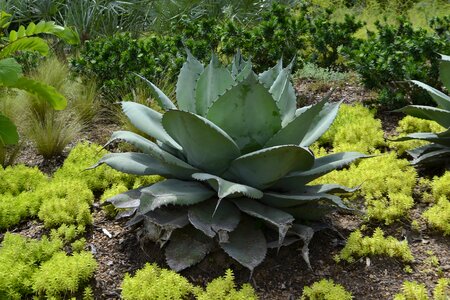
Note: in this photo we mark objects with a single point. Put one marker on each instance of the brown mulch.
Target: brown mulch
(283, 275)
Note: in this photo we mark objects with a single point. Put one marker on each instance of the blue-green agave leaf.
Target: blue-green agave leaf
(144, 164)
(305, 233)
(428, 136)
(160, 224)
(187, 247)
(246, 244)
(444, 72)
(227, 188)
(204, 217)
(173, 192)
(162, 99)
(268, 77)
(275, 217)
(213, 82)
(439, 115)
(148, 121)
(285, 200)
(441, 99)
(187, 81)
(308, 126)
(248, 113)
(205, 145)
(322, 166)
(283, 92)
(314, 211)
(238, 65)
(432, 157)
(329, 188)
(128, 199)
(263, 168)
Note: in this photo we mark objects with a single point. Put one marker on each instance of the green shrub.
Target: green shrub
(224, 288)
(396, 53)
(19, 259)
(358, 246)
(325, 290)
(442, 289)
(67, 233)
(411, 290)
(152, 282)
(387, 185)
(355, 129)
(325, 75)
(64, 275)
(18, 179)
(65, 202)
(438, 216)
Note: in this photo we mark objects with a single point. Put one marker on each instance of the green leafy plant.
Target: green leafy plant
(25, 39)
(438, 151)
(229, 170)
(325, 290)
(358, 246)
(412, 290)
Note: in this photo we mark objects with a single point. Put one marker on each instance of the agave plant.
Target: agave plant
(236, 161)
(438, 151)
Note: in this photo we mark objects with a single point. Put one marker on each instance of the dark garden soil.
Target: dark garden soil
(281, 276)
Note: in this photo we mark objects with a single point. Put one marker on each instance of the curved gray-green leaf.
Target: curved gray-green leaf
(213, 82)
(173, 192)
(148, 147)
(144, 164)
(128, 199)
(308, 126)
(283, 92)
(148, 121)
(227, 188)
(248, 113)
(163, 100)
(187, 81)
(322, 166)
(247, 245)
(310, 211)
(329, 188)
(285, 200)
(268, 77)
(265, 167)
(439, 115)
(204, 217)
(417, 152)
(444, 71)
(427, 136)
(432, 157)
(205, 145)
(187, 247)
(441, 99)
(273, 216)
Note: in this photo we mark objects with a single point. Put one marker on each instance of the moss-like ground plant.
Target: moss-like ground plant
(229, 170)
(325, 290)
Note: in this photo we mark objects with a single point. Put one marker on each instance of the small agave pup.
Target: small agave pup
(438, 151)
(235, 157)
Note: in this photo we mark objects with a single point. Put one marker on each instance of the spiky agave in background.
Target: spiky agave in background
(438, 151)
(235, 157)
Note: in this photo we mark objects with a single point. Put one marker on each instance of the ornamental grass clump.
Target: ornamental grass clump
(438, 149)
(236, 158)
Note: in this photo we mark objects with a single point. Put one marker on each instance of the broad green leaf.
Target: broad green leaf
(173, 192)
(187, 247)
(285, 200)
(12, 36)
(205, 145)
(227, 188)
(25, 44)
(444, 72)
(283, 92)
(307, 127)
(148, 121)
(163, 100)
(187, 81)
(441, 116)
(265, 167)
(8, 132)
(441, 99)
(426, 136)
(5, 19)
(213, 82)
(149, 148)
(69, 36)
(143, 164)
(42, 91)
(267, 78)
(204, 217)
(10, 71)
(271, 215)
(21, 32)
(248, 113)
(247, 245)
(30, 29)
(322, 166)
